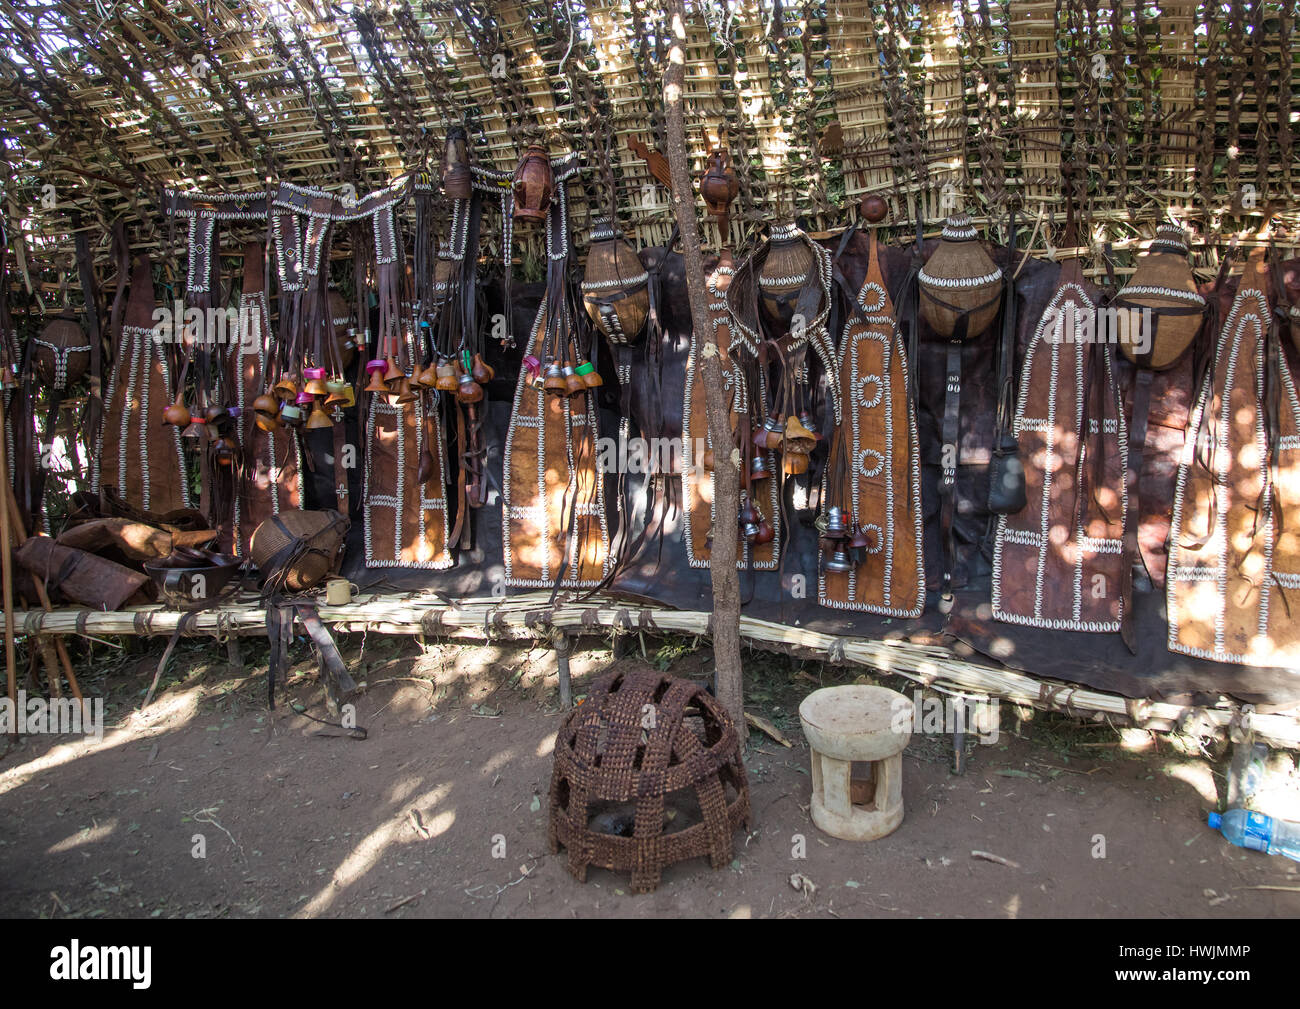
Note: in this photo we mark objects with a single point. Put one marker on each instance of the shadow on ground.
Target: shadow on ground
(209, 805)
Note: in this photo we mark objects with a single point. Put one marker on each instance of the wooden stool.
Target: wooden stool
(857, 723)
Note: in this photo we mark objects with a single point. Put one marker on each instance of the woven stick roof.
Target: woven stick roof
(979, 104)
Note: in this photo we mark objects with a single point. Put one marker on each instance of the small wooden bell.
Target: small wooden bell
(178, 414)
(534, 185)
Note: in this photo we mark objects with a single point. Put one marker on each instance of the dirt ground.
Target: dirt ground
(441, 810)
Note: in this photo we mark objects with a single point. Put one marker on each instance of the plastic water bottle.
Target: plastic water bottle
(1247, 829)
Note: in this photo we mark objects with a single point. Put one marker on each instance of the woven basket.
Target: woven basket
(614, 287)
(788, 267)
(319, 535)
(647, 772)
(1163, 281)
(62, 353)
(959, 281)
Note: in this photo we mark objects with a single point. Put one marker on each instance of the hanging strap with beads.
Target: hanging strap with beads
(555, 529)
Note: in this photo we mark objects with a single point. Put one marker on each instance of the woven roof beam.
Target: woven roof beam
(366, 117)
(55, 97)
(392, 87)
(137, 89)
(330, 130)
(193, 57)
(439, 83)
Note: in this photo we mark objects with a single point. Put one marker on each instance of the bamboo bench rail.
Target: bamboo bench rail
(532, 617)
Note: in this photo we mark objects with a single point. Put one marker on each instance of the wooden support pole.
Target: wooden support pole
(6, 575)
(562, 666)
(20, 537)
(729, 684)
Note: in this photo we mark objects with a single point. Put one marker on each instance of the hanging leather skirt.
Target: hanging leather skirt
(554, 525)
(1233, 581)
(271, 460)
(136, 453)
(697, 478)
(405, 520)
(882, 463)
(1058, 563)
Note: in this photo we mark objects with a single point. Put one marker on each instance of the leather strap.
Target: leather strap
(327, 651)
(90, 294)
(1137, 436)
(278, 634)
(950, 434)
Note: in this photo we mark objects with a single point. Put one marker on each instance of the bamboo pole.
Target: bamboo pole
(532, 616)
(6, 575)
(43, 597)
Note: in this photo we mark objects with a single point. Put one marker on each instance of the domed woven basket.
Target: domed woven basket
(656, 759)
(960, 281)
(1164, 283)
(615, 278)
(322, 538)
(62, 353)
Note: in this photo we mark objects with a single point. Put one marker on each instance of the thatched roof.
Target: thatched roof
(103, 102)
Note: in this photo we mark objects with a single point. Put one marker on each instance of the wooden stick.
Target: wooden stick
(20, 537)
(6, 576)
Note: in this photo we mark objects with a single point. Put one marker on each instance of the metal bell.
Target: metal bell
(835, 527)
(770, 434)
(839, 562)
(758, 469)
(554, 382)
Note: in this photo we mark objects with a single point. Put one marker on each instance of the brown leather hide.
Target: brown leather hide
(1234, 570)
(405, 520)
(696, 480)
(1058, 563)
(553, 512)
(136, 452)
(137, 541)
(878, 429)
(82, 577)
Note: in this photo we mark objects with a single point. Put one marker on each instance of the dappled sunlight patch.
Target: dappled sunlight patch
(1135, 740)
(1196, 773)
(1002, 648)
(498, 760)
(400, 791)
(86, 835)
(166, 714)
(397, 829)
(547, 746)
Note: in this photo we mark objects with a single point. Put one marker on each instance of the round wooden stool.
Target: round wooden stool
(869, 725)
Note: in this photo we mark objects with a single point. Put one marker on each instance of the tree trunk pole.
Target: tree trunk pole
(726, 469)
